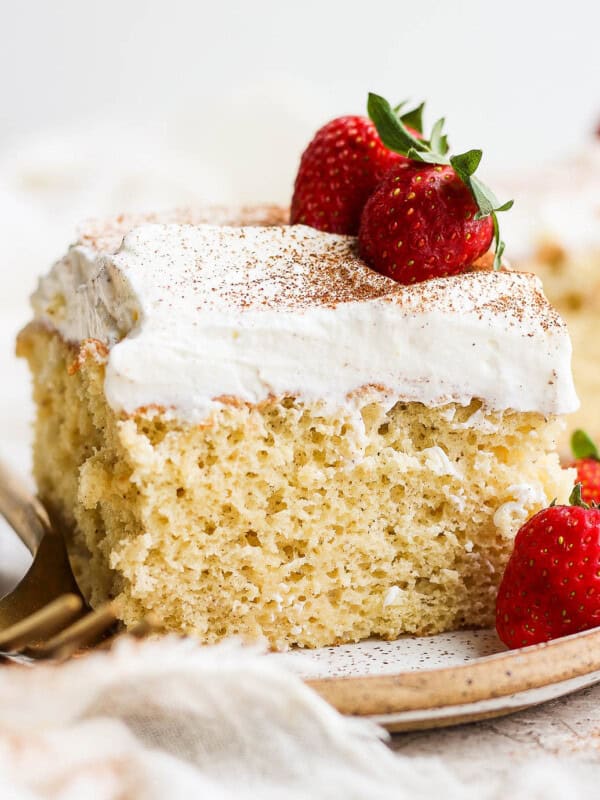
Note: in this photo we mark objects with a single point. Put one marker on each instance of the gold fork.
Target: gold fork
(46, 615)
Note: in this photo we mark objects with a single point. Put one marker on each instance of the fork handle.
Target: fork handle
(23, 512)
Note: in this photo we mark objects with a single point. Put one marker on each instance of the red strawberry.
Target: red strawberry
(588, 475)
(551, 586)
(339, 169)
(587, 464)
(420, 223)
(429, 217)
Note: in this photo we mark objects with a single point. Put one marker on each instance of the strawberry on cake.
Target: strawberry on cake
(309, 433)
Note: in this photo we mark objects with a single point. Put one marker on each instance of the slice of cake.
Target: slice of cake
(556, 234)
(246, 430)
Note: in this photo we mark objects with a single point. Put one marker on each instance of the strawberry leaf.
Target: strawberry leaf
(392, 131)
(487, 202)
(414, 118)
(499, 244)
(438, 140)
(428, 158)
(485, 199)
(583, 446)
(575, 497)
(466, 164)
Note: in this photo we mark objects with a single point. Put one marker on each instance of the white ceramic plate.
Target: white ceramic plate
(422, 682)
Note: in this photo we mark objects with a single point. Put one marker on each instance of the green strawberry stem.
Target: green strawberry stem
(583, 445)
(393, 132)
(575, 497)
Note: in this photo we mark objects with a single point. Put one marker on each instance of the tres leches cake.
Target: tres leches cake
(247, 430)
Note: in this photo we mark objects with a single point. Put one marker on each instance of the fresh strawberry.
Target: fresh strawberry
(588, 475)
(421, 223)
(551, 586)
(339, 169)
(587, 464)
(429, 217)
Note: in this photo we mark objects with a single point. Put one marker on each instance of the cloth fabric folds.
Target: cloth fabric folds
(170, 719)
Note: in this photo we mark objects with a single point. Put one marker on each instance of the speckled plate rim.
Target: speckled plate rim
(449, 692)
(483, 709)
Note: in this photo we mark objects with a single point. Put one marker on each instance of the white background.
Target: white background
(515, 76)
(133, 103)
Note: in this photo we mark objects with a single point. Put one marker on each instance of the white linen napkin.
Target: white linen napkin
(171, 719)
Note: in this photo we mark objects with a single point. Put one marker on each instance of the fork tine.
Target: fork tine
(149, 624)
(41, 624)
(83, 632)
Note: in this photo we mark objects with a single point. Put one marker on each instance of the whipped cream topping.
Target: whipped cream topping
(196, 315)
(559, 203)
